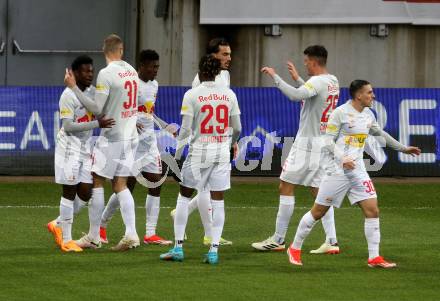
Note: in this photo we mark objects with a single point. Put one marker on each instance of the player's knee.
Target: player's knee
(286, 188)
(372, 212)
(69, 192)
(186, 191)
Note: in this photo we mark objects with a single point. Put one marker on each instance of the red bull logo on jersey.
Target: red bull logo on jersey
(86, 118)
(202, 98)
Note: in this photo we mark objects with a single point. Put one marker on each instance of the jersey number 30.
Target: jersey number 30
(221, 115)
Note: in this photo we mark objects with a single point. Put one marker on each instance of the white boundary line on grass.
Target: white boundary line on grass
(230, 207)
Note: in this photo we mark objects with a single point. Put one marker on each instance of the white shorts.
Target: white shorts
(148, 153)
(72, 166)
(209, 176)
(357, 184)
(303, 167)
(114, 159)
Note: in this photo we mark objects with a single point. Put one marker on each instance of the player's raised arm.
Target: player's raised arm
(95, 106)
(294, 74)
(295, 94)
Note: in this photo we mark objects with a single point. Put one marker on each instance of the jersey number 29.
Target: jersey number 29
(332, 101)
(221, 115)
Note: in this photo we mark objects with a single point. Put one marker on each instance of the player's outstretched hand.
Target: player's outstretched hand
(412, 150)
(69, 79)
(105, 123)
(292, 70)
(269, 71)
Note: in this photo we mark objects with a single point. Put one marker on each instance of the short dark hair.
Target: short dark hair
(214, 45)
(209, 66)
(318, 52)
(148, 55)
(356, 85)
(81, 60)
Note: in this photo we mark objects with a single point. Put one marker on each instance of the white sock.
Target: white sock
(110, 209)
(218, 220)
(78, 204)
(285, 211)
(305, 226)
(126, 202)
(152, 207)
(66, 218)
(192, 205)
(205, 210)
(180, 219)
(96, 206)
(328, 223)
(372, 234)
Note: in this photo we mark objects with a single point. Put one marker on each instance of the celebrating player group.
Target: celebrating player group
(326, 156)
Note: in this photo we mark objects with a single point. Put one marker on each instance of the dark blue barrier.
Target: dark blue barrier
(29, 122)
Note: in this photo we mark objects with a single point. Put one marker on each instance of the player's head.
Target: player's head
(148, 64)
(113, 47)
(220, 49)
(315, 58)
(209, 68)
(361, 91)
(82, 68)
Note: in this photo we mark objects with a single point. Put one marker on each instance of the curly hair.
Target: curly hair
(209, 66)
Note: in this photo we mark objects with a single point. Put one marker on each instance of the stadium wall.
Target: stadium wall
(408, 57)
(29, 122)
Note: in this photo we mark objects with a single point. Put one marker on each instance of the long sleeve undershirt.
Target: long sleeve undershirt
(95, 106)
(72, 127)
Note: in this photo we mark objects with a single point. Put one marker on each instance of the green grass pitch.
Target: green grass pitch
(32, 268)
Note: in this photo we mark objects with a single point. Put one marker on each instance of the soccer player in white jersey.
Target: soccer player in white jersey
(347, 131)
(210, 113)
(113, 155)
(73, 154)
(305, 164)
(147, 150)
(221, 50)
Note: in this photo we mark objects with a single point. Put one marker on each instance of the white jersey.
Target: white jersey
(71, 108)
(350, 129)
(119, 80)
(146, 101)
(211, 105)
(222, 78)
(315, 110)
